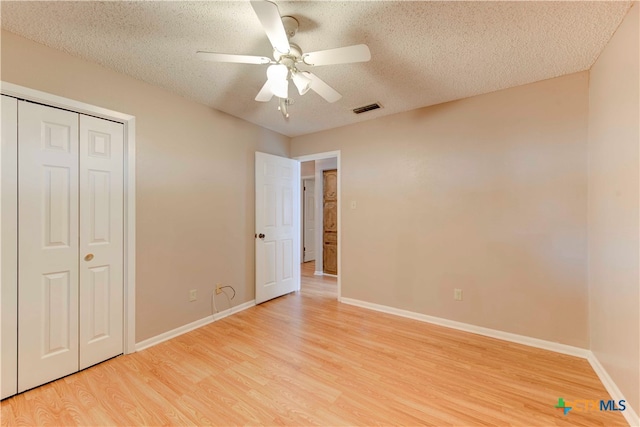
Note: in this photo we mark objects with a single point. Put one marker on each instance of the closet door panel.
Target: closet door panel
(101, 240)
(48, 244)
(9, 247)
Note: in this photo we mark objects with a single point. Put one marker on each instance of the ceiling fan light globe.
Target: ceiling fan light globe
(280, 88)
(302, 82)
(277, 72)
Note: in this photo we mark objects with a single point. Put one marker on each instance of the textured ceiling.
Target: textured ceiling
(423, 53)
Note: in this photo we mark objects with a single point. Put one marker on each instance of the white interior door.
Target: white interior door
(309, 220)
(277, 226)
(9, 247)
(48, 244)
(101, 240)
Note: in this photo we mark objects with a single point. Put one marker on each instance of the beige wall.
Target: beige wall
(486, 194)
(614, 169)
(195, 183)
(308, 168)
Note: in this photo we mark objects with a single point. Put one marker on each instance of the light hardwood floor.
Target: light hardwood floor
(304, 359)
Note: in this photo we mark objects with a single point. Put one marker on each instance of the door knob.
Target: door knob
(261, 235)
(88, 257)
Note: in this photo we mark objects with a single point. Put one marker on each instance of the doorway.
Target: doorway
(313, 166)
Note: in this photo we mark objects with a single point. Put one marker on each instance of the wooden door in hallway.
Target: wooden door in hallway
(330, 221)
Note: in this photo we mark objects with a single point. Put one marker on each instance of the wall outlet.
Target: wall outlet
(457, 294)
(218, 288)
(193, 294)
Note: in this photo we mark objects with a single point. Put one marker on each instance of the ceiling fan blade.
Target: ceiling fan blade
(321, 88)
(340, 55)
(238, 59)
(265, 93)
(269, 17)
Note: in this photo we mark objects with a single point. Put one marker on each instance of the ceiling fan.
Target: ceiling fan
(287, 56)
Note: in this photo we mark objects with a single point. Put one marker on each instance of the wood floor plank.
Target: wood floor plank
(304, 359)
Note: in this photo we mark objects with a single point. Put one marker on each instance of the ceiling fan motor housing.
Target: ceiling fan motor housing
(294, 55)
(290, 26)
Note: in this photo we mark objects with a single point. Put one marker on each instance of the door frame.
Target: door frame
(322, 156)
(129, 123)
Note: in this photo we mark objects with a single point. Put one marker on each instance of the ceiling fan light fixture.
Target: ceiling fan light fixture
(302, 82)
(277, 72)
(281, 89)
(277, 76)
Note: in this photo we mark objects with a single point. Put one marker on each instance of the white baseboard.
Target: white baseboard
(322, 273)
(193, 325)
(493, 333)
(233, 310)
(629, 414)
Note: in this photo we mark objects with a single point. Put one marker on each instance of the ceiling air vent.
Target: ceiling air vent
(366, 108)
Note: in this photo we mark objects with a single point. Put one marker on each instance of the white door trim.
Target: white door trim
(9, 248)
(329, 155)
(129, 123)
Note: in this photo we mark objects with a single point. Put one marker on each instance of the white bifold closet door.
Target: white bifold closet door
(70, 242)
(101, 240)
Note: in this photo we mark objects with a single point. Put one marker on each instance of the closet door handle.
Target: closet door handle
(88, 257)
